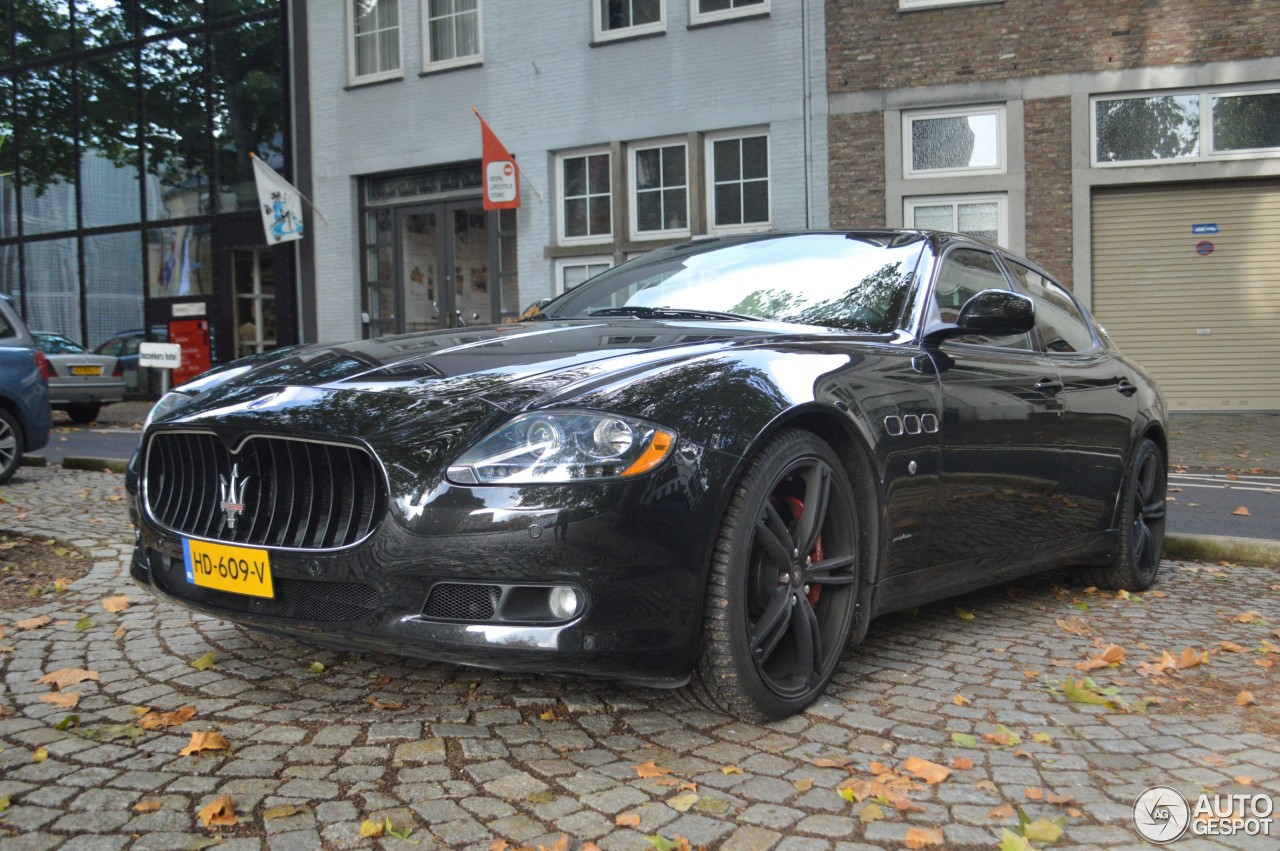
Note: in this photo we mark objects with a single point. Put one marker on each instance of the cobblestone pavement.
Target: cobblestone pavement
(1240, 441)
(464, 758)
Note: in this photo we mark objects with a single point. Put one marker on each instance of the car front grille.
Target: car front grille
(270, 492)
(462, 601)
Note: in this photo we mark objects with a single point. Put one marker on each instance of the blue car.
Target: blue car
(25, 416)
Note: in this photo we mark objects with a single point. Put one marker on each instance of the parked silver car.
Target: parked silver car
(81, 382)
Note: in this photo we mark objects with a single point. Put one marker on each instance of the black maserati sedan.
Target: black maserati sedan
(709, 467)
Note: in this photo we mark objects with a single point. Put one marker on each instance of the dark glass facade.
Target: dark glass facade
(127, 187)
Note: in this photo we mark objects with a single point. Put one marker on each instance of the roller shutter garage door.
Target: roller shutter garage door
(1199, 310)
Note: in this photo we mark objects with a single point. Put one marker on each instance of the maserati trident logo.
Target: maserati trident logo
(232, 496)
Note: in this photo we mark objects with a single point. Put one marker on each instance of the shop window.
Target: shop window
(586, 213)
(983, 216)
(954, 142)
(659, 190)
(711, 11)
(374, 27)
(452, 34)
(738, 182)
(625, 18)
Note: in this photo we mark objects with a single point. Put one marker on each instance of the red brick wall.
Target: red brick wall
(872, 46)
(856, 182)
(1048, 150)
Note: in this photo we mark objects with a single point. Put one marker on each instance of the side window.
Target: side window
(1062, 326)
(6, 330)
(964, 273)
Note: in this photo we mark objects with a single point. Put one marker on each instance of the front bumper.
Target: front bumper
(637, 551)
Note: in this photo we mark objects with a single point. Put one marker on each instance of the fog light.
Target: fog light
(564, 602)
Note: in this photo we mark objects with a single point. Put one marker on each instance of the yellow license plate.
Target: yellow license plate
(239, 570)
(86, 370)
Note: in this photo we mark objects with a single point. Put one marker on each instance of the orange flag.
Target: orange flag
(501, 176)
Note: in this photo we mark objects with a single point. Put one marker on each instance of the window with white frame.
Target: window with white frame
(574, 271)
(938, 142)
(626, 18)
(1181, 126)
(983, 216)
(374, 29)
(451, 34)
(709, 11)
(737, 182)
(586, 196)
(659, 190)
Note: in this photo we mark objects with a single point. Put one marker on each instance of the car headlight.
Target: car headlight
(564, 446)
(169, 402)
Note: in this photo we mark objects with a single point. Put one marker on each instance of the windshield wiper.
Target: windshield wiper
(669, 313)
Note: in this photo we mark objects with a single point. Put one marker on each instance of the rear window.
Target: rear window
(6, 330)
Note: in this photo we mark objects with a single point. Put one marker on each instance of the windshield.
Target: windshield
(853, 281)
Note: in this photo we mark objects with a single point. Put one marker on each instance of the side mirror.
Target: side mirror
(996, 313)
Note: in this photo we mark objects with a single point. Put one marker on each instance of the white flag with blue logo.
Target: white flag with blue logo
(280, 203)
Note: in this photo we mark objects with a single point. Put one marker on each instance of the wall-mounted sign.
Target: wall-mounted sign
(189, 308)
(1204, 248)
(1204, 229)
(160, 355)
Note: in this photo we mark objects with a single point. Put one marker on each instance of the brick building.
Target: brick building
(1131, 148)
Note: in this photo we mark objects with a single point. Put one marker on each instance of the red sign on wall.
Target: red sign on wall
(193, 336)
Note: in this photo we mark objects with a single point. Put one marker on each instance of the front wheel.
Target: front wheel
(783, 582)
(83, 413)
(1142, 521)
(11, 447)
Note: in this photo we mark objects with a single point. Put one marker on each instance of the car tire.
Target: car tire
(83, 413)
(1142, 524)
(11, 445)
(772, 633)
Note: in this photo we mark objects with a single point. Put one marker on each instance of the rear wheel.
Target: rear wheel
(84, 412)
(11, 445)
(783, 582)
(1142, 522)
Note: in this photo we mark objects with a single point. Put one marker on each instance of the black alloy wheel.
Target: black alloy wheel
(83, 413)
(1142, 524)
(783, 584)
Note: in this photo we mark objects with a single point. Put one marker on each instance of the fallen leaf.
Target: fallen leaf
(221, 812)
(147, 806)
(495, 845)
(627, 820)
(929, 772)
(1042, 830)
(682, 803)
(112, 732)
(1010, 841)
(1112, 656)
(1075, 626)
(1232, 647)
(961, 700)
(1241, 511)
(962, 763)
(648, 769)
(40, 755)
(34, 623)
(160, 720)
(282, 811)
(208, 740)
(712, 806)
(879, 768)
(986, 786)
(370, 829)
(1005, 810)
(802, 785)
(1190, 658)
(1245, 698)
(316, 667)
(1003, 736)
(115, 604)
(1042, 738)
(730, 769)
(1060, 800)
(921, 837)
(84, 624)
(964, 740)
(380, 705)
(549, 715)
(204, 663)
(1214, 759)
(1243, 780)
(1034, 793)
(825, 762)
(1166, 662)
(119, 633)
(964, 615)
(64, 677)
(871, 812)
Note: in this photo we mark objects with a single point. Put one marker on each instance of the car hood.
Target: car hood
(375, 385)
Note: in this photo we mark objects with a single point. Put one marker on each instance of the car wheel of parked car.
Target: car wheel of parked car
(1142, 520)
(783, 582)
(83, 413)
(10, 445)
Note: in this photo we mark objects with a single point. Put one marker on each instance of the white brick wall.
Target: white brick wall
(543, 87)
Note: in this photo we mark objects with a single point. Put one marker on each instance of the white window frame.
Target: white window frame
(909, 5)
(565, 263)
(1002, 145)
(561, 218)
(697, 16)
(1002, 210)
(390, 74)
(1208, 151)
(632, 192)
(602, 34)
(710, 180)
(429, 64)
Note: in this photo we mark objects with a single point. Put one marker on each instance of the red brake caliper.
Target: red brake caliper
(797, 511)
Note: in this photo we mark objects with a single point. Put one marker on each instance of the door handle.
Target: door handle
(1048, 386)
(1125, 387)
